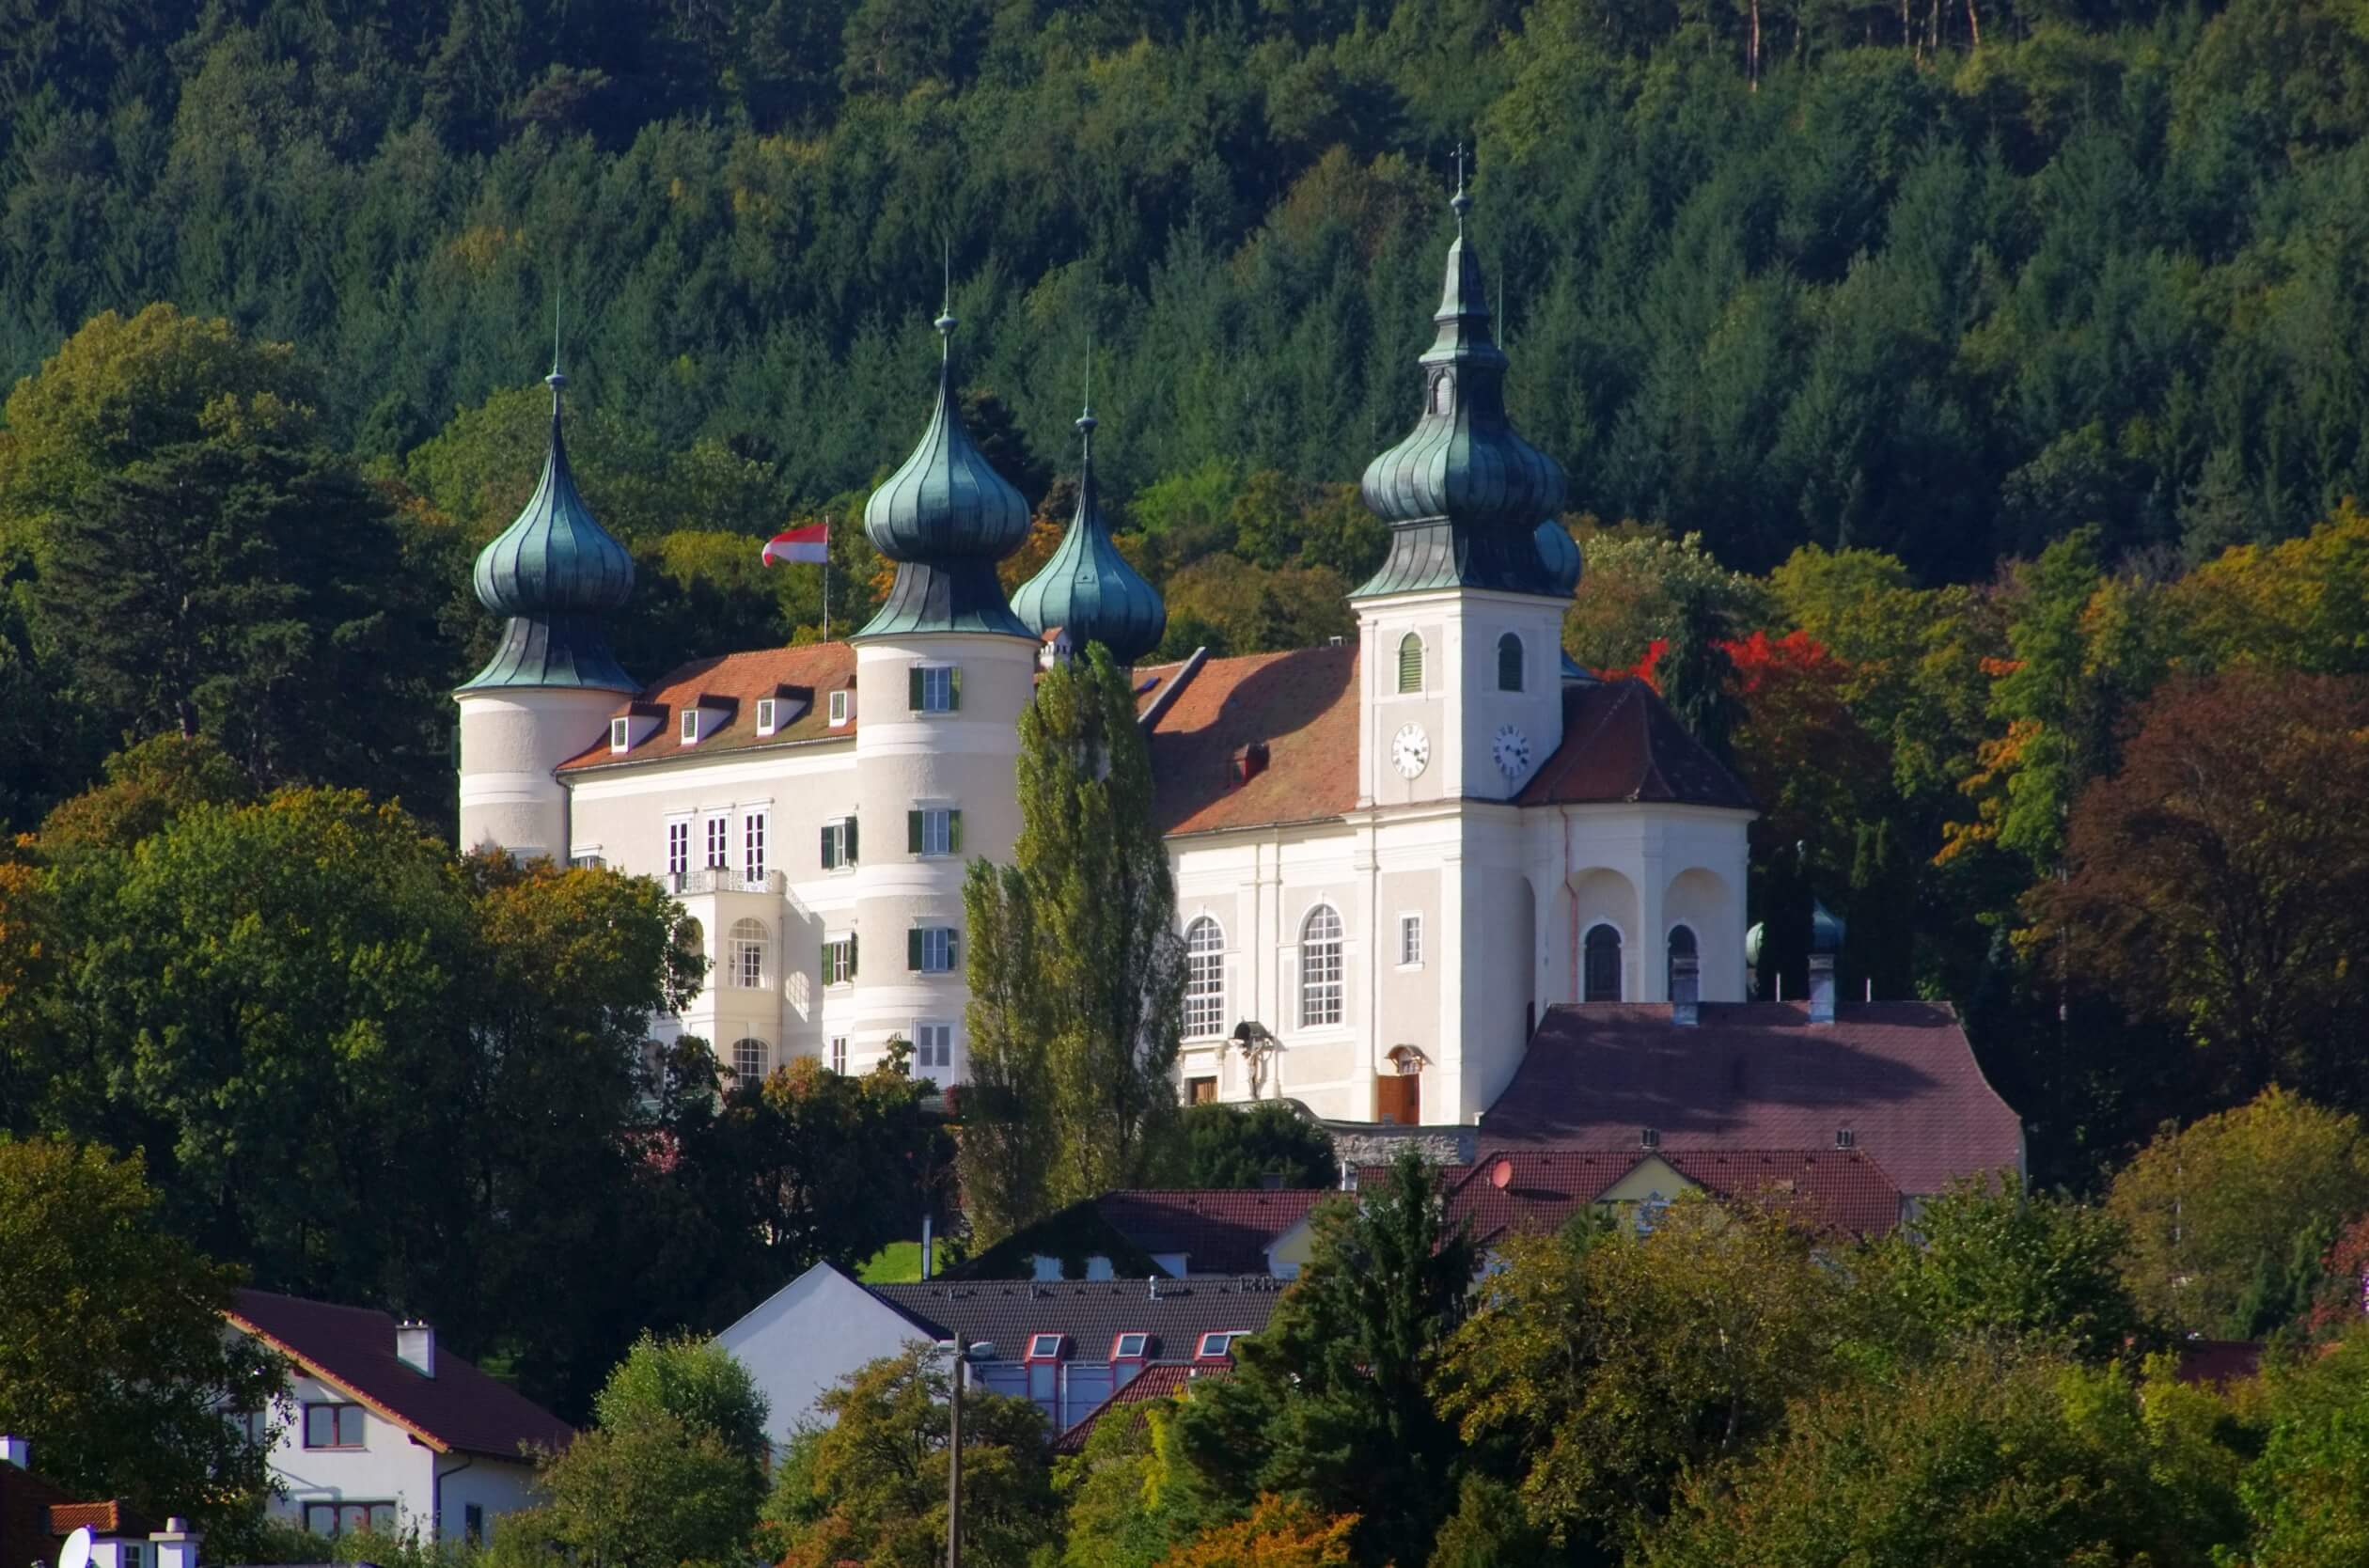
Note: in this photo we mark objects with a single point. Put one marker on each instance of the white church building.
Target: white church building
(1390, 858)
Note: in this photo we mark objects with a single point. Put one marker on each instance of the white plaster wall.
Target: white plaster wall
(498, 1486)
(390, 1466)
(1460, 708)
(807, 1336)
(510, 741)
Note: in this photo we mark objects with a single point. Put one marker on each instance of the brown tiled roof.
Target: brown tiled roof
(1622, 743)
(111, 1517)
(36, 1514)
(1090, 1313)
(1899, 1076)
(1302, 706)
(739, 678)
(1160, 1380)
(1218, 1231)
(1833, 1190)
(353, 1349)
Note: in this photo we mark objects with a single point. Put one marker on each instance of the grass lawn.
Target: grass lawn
(899, 1263)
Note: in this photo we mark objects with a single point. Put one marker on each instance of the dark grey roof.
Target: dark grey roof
(1092, 1312)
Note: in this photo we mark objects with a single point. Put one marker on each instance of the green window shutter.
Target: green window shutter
(913, 949)
(851, 955)
(954, 688)
(913, 833)
(851, 857)
(953, 948)
(828, 861)
(1410, 662)
(953, 832)
(912, 688)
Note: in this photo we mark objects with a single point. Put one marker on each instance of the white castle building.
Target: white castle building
(1390, 859)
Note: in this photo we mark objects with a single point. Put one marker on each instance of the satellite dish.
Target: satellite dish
(1501, 1175)
(76, 1553)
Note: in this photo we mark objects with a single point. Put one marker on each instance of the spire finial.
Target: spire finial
(946, 322)
(555, 381)
(1460, 201)
(1085, 420)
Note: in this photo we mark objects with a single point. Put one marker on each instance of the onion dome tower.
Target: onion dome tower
(546, 694)
(1559, 554)
(1463, 492)
(946, 517)
(1087, 587)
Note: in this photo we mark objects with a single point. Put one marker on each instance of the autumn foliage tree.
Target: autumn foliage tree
(2219, 881)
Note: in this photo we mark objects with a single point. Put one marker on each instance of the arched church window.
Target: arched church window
(1509, 663)
(1682, 945)
(1601, 977)
(746, 953)
(1320, 967)
(1204, 979)
(1410, 662)
(748, 1059)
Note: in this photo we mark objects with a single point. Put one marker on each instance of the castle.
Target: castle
(1391, 858)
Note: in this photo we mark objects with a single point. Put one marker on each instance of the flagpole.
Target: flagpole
(827, 579)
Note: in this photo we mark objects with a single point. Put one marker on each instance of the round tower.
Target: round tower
(552, 683)
(1085, 587)
(942, 674)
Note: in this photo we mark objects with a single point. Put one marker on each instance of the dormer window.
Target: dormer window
(1046, 1347)
(1649, 1138)
(766, 708)
(840, 708)
(621, 734)
(1130, 1347)
(1218, 1346)
(690, 726)
(705, 714)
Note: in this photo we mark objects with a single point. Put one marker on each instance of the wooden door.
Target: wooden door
(1398, 1098)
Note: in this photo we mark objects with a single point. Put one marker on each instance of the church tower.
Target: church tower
(551, 684)
(1461, 628)
(942, 674)
(1086, 587)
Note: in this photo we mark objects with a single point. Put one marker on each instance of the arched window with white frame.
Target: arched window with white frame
(749, 1059)
(1510, 663)
(1204, 978)
(747, 951)
(1410, 669)
(1601, 970)
(1682, 945)
(1320, 987)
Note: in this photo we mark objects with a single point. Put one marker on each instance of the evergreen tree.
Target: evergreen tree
(1076, 969)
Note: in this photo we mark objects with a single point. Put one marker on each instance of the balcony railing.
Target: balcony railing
(724, 879)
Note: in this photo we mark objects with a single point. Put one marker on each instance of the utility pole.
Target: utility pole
(954, 1465)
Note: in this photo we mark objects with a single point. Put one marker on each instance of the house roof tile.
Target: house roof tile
(737, 679)
(1218, 1231)
(1834, 1190)
(1158, 1381)
(353, 1349)
(1622, 743)
(1090, 1313)
(1302, 706)
(1899, 1076)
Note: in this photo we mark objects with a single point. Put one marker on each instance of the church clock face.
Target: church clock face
(1512, 749)
(1410, 753)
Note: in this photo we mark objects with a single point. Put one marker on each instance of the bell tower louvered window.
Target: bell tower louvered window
(1410, 671)
(1509, 663)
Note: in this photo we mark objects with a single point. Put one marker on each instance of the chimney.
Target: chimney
(1685, 989)
(415, 1346)
(1821, 988)
(1248, 762)
(176, 1547)
(16, 1450)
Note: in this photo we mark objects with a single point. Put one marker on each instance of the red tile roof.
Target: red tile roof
(1302, 706)
(1837, 1191)
(1160, 1380)
(111, 1517)
(1622, 743)
(1218, 1231)
(1901, 1077)
(353, 1349)
(740, 679)
(36, 1514)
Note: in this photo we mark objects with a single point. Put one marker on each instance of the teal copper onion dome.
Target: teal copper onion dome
(1088, 588)
(1463, 492)
(553, 572)
(945, 517)
(1560, 554)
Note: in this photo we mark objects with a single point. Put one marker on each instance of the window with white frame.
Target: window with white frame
(350, 1518)
(748, 1059)
(766, 708)
(1204, 978)
(934, 688)
(837, 1055)
(586, 861)
(333, 1426)
(933, 1045)
(838, 959)
(753, 826)
(838, 843)
(931, 949)
(679, 847)
(746, 948)
(1410, 941)
(840, 708)
(720, 843)
(934, 830)
(1320, 967)
(621, 734)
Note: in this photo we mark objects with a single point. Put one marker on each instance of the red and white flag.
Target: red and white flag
(810, 545)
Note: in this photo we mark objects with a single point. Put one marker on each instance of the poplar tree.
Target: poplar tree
(1076, 969)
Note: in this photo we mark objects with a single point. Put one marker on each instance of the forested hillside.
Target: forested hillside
(1955, 391)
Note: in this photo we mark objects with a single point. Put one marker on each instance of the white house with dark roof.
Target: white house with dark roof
(1391, 857)
(378, 1428)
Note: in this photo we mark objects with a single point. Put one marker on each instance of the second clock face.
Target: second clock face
(1410, 753)
(1512, 749)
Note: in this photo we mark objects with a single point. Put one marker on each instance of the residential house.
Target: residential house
(378, 1428)
(38, 1515)
(1136, 1232)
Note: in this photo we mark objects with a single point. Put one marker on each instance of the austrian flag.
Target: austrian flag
(810, 544)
